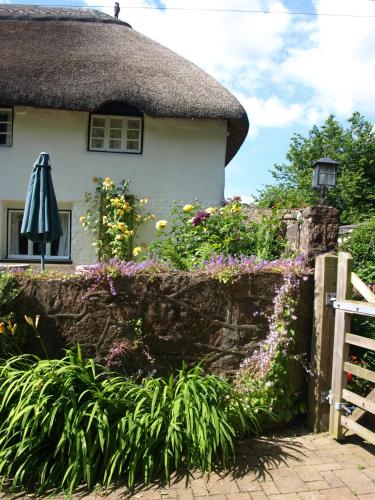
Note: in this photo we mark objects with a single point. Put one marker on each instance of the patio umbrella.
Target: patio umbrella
(41, 221)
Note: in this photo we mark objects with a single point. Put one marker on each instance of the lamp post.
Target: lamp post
(324, 176)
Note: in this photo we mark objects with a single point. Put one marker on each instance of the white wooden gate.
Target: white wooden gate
(341, 397)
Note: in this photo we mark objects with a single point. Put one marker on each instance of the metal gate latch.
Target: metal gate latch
(348, 409)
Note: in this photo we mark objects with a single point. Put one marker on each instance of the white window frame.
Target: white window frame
(8, 122)
(30, 255)
(106, 136)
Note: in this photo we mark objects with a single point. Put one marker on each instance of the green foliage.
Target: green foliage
(361, 244)
(69, 422)
(196, 234)
(113, 217)
(9, 291)
(353, 148)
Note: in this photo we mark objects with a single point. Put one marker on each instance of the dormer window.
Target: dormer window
(115, 134)
(6, 122)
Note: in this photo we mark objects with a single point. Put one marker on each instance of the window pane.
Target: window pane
(112, 133)
(133, 134)
(98, 132)
(36, 248)
(20, 246)
(134, 124)
(115, 133)
(97, 143)
(132, 145)
(98, 122)
(115, 123)
(4, 127)
(18, 243)
(3, 140)
(5, 116)
(331, 179)
(114, 144)
(322, 179)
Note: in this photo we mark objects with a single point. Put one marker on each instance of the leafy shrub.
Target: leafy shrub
(9, 291)
(361, 244)
(195, 234)
(69, 422)
(113, 217)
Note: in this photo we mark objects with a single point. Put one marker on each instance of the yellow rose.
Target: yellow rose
(137, 251)
(2, 328)
(187, 208)
(82, 219)
(143, 201)
(161, 224)
(95, 179)
(210, 210)
(119, 237)
(107, 183)
(121, 226)
(138, 218)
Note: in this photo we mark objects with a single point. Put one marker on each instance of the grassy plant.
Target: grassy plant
(69, 422)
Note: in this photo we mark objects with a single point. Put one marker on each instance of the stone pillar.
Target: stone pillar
(293, 221)
(319, 231)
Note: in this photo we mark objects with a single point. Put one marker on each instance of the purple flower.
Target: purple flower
(199, 218)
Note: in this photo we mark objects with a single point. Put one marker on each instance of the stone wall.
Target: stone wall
(183, 316)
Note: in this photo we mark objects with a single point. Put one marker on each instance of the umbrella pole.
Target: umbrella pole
(43, 255)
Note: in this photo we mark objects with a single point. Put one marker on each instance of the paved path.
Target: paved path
(305, 467)
(302, 467)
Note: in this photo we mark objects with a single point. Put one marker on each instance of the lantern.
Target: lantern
(324, 176)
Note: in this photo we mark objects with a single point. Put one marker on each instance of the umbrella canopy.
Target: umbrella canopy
(41, 220)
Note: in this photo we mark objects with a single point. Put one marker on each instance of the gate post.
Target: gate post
(340, 349)
(322, 343)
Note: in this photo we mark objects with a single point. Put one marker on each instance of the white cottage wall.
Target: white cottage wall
(182, 159)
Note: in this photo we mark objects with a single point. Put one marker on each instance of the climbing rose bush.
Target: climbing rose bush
(113, 217)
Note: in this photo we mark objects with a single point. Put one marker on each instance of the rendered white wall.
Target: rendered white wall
(182, 159)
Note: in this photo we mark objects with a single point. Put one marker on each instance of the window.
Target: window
(19, 247)
(116, 134)
(6, 118)
(327, 176)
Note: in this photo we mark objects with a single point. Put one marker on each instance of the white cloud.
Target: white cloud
(339, 64)
(284, 69)
(271, 112)
(224, 44)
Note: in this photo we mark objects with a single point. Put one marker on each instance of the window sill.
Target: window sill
(60, 262)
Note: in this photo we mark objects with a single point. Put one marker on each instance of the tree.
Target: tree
(353, 148)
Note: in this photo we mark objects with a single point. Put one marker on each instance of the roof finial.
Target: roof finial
(117, 9)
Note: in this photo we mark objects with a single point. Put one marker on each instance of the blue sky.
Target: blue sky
(289, 71)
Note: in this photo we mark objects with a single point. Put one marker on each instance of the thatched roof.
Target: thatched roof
(81, 59)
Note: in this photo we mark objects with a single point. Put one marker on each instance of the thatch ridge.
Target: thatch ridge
(19, 12)
(82, 65)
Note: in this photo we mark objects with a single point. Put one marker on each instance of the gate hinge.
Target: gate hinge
(326, 397)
